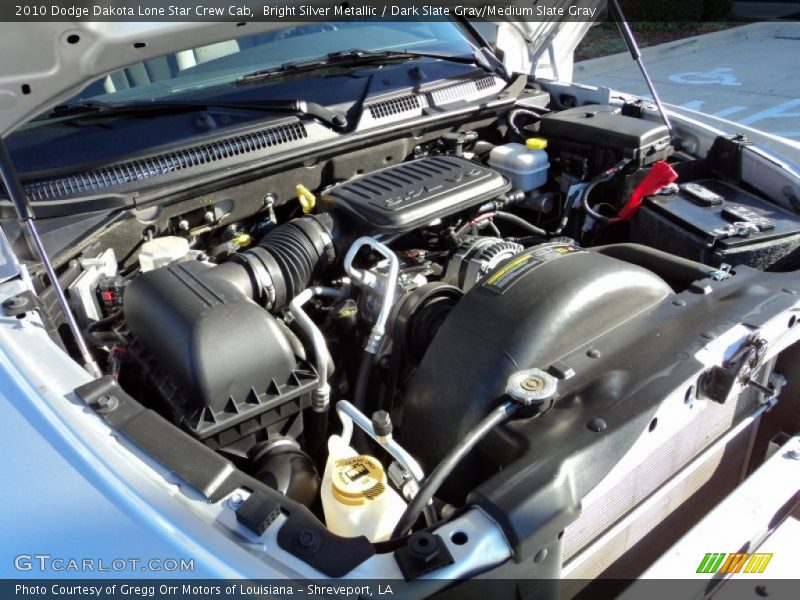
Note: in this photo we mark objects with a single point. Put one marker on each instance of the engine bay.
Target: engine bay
(472, 303)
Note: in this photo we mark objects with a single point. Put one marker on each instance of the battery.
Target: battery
(743, 229)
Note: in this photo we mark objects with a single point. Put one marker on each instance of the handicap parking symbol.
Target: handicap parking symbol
(718, 76)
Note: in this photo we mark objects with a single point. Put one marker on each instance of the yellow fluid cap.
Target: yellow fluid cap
(243, 240)
(536, 143)
(306, 199)
(357, 479)
(346, 311)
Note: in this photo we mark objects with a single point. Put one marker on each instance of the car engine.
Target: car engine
(341, 342)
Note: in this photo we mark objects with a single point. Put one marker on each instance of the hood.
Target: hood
(543, 49)
(52, 61)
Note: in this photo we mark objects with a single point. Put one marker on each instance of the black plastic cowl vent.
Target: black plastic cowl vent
(459, 90)
(393, 106)
(443, 94)
(113, 175)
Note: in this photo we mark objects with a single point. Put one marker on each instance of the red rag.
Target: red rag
(660, 174)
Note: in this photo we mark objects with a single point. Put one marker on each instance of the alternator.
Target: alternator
(476, 257)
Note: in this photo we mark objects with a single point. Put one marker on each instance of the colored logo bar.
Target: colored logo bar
(737, 562)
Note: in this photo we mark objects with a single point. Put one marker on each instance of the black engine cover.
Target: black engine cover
(533, 309)
(415, 193)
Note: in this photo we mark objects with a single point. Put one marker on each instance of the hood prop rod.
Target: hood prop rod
(633, 48)
(22, 205)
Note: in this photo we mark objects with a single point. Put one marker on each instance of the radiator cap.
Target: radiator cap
(531, 387)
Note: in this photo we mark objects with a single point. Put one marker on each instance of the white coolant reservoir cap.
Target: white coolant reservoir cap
(162, 251)
(531, 387)
(357, 479)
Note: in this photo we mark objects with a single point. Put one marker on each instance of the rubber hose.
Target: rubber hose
(678, 272)
(316, 432)
(519, 222)
(360, 391)
(105, 322)
(287, 259)
(443, 470)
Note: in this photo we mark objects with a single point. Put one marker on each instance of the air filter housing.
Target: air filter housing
(221, 362)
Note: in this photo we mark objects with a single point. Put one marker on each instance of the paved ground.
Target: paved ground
(749, 74)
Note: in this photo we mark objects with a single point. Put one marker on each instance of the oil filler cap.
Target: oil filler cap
(531, 387)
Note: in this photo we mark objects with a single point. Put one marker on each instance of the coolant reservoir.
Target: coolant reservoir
(356, 498)
(525, 165)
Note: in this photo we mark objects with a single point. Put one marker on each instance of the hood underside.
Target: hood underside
(52, 61)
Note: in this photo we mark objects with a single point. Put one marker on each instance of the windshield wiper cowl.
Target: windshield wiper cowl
(99, 110)
(312, 109)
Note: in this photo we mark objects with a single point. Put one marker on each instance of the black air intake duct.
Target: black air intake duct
(284, 263)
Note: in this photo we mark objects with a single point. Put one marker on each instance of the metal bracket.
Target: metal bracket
(725, 156)
(20, 304)
(719, 382)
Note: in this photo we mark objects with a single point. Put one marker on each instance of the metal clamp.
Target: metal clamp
(722, 273)
(738, 229)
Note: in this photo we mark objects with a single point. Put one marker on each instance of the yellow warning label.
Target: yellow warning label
(511, 272)
(503, 271)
